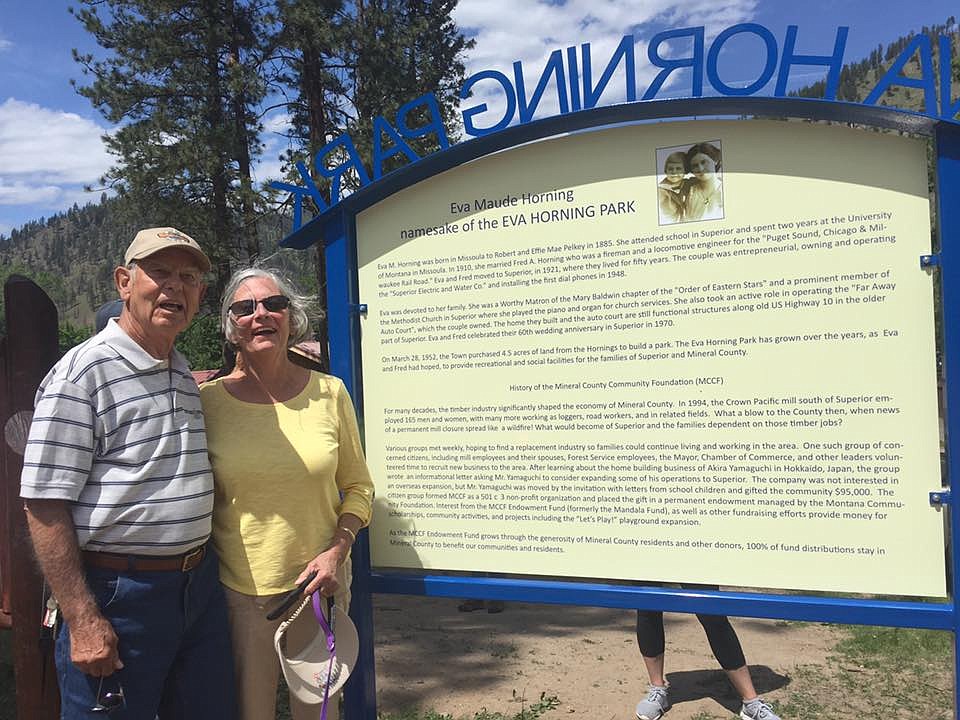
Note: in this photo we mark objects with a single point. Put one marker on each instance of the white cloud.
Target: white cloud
(20, 193)
(277, 122)
(81, 197)
(38, 145)
(46, 199)
(5, 44)
(46, 157)
(268, 168)
(505, 33)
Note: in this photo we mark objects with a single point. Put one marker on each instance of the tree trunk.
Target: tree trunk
(242, 139)
(314, 96)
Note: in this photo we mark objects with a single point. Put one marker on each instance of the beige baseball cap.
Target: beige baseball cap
(152, 240)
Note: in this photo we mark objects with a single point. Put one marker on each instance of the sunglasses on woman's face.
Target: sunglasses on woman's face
(274, 303)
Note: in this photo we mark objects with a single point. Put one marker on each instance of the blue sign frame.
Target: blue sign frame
(336, 229)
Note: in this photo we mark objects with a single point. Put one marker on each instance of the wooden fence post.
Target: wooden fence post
(28, 351)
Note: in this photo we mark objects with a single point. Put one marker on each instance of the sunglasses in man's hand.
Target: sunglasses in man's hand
(110, 700)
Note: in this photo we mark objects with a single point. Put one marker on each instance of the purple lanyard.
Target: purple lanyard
(331, 646)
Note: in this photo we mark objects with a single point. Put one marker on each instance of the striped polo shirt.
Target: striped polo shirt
(120, 435)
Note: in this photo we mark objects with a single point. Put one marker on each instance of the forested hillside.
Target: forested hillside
(72, 255)
(859, 78)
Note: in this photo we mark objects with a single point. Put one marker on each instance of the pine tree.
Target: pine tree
(343, 64)
(181, 80)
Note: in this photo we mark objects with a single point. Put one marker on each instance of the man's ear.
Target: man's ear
(122, 278)
(203, 291)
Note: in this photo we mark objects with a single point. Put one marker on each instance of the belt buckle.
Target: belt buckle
(192, 559)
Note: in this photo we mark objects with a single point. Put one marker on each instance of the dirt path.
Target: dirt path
(431, 656)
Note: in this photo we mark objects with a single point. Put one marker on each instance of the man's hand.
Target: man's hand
(93, 645)
(93, 642)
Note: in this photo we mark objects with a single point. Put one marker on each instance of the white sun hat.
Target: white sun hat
(320, 670)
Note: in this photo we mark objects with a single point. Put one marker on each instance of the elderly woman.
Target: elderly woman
(705, 191)
(292, 485)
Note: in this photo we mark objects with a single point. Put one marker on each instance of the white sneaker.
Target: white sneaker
(655, 704)
(758, 710)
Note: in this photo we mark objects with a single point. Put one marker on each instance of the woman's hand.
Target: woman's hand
(325, 564)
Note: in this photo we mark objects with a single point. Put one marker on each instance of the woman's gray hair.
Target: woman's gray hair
(303, 308)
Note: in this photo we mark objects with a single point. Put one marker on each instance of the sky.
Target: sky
(50, 136)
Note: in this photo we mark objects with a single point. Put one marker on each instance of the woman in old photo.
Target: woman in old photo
(705, 190)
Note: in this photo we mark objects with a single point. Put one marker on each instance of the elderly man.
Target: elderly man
(118, 494)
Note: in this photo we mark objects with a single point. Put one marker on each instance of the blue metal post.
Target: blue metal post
(360, 694)
(947, 138)
(886, 613)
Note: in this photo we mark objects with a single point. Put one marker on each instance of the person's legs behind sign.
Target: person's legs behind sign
(726, 648)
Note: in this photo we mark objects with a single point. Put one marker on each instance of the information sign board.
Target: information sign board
(563, 377)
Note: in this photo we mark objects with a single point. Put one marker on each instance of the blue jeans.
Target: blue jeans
(174, 644)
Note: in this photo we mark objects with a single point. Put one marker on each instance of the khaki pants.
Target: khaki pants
(255, 660)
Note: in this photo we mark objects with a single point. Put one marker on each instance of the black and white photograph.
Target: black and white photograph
(690, 185)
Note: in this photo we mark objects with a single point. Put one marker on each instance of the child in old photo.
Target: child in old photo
(672, 189)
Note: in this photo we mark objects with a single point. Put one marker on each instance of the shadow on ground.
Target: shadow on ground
(431, 656)
(433, 648)
(692, 685)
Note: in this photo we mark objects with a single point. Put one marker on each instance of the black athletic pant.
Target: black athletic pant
(720, 633)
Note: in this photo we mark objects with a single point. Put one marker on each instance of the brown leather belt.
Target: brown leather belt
(145, 563)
